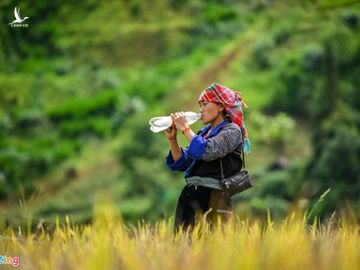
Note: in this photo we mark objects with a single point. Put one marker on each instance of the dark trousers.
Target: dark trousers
(194, 205)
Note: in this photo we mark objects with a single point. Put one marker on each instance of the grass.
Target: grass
(108, 243)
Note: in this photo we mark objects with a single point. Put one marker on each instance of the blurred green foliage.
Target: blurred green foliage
(92, 72)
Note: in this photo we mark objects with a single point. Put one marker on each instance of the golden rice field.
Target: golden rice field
(240, 244)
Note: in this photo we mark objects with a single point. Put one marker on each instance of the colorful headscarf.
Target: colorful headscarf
(233, 104)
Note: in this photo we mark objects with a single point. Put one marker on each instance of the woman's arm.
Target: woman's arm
(171, 135)
(189, 134)
(225, 142)
(175, 149)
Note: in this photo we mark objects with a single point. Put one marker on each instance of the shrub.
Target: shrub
(103, 103)
(273, 130)
(261, 52)
(214, 13)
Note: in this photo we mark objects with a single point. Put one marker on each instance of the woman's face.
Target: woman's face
(210, 111)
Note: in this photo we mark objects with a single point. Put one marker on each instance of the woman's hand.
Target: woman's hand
(179, 119)
(171, 133)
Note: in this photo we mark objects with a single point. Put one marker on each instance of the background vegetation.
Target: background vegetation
(79, 84)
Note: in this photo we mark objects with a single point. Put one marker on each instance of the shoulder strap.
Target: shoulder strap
(243, 145)
(243, 159)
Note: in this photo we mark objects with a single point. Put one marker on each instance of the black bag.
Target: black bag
(238, 182)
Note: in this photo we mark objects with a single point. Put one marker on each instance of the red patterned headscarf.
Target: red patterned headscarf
(233, 104)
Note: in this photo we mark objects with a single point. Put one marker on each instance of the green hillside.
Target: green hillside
(79, 84)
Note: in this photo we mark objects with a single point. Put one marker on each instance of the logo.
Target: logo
(18, 22)
(13, 261)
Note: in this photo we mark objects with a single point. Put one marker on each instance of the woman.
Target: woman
(222, 139)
